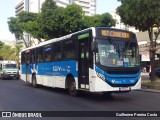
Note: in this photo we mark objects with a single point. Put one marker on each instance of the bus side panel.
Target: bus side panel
(23, 77)
(61, 70)
(52, 74)
(26, 73)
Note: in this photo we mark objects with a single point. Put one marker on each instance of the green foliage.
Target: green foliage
(73, 18)
(104, 20)
(24, 16)
(46, 19)
(141, 14)
(29, 24)
(107, 20)
(92, 21)
(14, 27)
(25, 22)
(58, 18)
(9, 53)
(1, 44)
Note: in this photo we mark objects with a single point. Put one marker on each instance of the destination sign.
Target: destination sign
(119, 34)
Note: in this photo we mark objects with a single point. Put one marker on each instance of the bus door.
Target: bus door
(27, 64)
(83, 63)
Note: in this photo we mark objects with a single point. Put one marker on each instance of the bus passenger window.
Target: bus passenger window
(57, 54)
(47, 54)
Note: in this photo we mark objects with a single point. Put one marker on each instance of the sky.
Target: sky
(7, 9)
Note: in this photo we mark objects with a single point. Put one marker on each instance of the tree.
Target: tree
(15, 28)
(107, 20)
(28, 23)
(55, 21)
(9, 52)
(92, 21)
(25, 22)
(17, 50)
(143, 15)
(74, 18)
(46, 19)
(58, 25)
(1, 46)
(104, 20)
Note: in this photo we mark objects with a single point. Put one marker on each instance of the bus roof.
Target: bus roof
(58, 39)
(70, 35)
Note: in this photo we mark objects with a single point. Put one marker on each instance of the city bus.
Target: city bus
(96, 59)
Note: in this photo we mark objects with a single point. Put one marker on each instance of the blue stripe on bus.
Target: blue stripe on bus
(119, 78)
(61, 68)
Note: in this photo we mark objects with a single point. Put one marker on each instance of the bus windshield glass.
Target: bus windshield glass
(10, 66)
(117, 52)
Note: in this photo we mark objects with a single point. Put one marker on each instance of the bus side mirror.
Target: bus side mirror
(93, 46)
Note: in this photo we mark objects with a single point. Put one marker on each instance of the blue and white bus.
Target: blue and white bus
(97, 59)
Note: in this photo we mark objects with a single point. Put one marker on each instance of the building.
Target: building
(88, 6)
(144, 44)
(19, 7)
(120, 24)
(63, 3)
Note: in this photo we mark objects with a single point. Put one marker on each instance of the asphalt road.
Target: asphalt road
(15, 95)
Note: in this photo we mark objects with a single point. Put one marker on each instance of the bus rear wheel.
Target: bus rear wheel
(72, 87)
(34, 82)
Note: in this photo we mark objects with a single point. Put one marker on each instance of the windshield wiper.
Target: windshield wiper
(115, 45)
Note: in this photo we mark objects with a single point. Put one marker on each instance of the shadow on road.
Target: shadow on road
(86, 95)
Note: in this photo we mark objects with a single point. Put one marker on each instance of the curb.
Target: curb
(150, 90)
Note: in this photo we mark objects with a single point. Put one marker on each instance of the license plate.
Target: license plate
(124, 88)
(12, 75)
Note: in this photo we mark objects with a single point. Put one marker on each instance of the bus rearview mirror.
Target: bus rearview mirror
(93, 46)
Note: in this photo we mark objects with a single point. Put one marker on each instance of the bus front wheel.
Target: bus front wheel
(72, 87)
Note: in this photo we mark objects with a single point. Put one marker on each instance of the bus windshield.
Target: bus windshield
(117, 52)
(9, 66)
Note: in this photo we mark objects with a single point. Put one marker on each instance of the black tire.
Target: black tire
(72, 87)
(34, 82)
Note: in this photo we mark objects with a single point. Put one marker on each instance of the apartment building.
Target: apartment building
(88, 6)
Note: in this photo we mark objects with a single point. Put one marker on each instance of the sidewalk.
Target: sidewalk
(147, 86)
(146, 73)
(149, 90)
